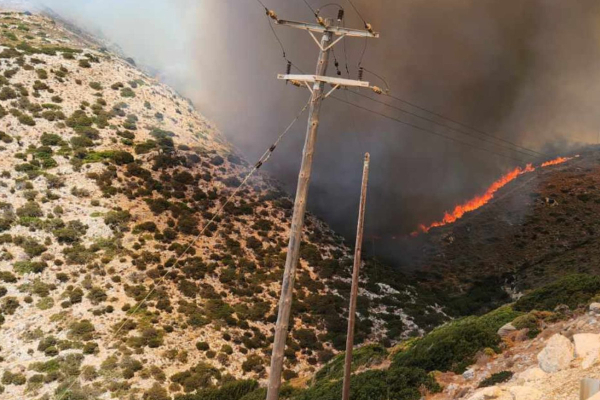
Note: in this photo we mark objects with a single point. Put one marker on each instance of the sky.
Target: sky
(522, 70)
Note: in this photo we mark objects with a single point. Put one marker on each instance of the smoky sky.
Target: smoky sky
(524, 70)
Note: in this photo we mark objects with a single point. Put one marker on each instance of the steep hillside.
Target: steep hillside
(541, 226)
(106, 177)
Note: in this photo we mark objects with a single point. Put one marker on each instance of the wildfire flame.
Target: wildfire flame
(481, 200)
(557, 161)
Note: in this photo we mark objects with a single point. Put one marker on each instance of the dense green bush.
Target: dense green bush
(230, 391)
(571, 290)
(398, 383)
(452, 347)
(497, 378)
(200, 376)
(365, 356)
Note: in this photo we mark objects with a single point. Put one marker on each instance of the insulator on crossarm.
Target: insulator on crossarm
(272, 15)
(321, 21)
(369, 27)
(288, 69)
(361, 73)
(340, 15)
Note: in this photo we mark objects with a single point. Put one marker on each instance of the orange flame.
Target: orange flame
(557, 161)
(479, 201)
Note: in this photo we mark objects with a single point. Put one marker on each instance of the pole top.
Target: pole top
(367, 157)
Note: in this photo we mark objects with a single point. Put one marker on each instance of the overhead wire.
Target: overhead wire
(471, 134)
(262, 160)
(283, 51)
(462, 124)
(426, 130)
(311, 8)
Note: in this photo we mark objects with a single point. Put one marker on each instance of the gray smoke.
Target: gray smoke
(525, 70)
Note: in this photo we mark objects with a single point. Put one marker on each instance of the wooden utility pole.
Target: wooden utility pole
(355, 275)
(318, 81)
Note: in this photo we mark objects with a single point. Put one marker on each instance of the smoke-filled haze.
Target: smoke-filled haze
(525, 70)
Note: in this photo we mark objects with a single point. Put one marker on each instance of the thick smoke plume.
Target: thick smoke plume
(527, 71)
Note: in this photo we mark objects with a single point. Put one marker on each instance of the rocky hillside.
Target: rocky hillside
(106, 178)
(539, 227)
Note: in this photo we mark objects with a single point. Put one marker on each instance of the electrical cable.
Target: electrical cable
(462, 124)
(357, 12)
(426, 130)
(379, 77)
(311, 9)
(277, 37)
(262, 160)
(485, 139)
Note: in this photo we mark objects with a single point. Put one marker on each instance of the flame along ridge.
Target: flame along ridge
(479, 201)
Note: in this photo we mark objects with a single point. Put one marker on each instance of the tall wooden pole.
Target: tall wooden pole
(355, 275)
(293, 252)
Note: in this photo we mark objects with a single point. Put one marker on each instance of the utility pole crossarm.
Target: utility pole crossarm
(336, 30)
(324, 79)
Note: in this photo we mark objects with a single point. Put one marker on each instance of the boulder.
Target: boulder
(595, 308)
(531, 374)
(469, 374)
(491, 393)
(506, 330)
(557, 355)
(587, 347)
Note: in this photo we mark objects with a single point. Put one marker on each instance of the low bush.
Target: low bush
(452, 347)
(571, 290)
(497, 378)
(235, 390)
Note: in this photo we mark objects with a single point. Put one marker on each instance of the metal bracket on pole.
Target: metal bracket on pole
(328, 47)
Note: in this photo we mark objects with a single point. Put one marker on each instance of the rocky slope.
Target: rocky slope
(551, 366)
(539, 227)
(106, 177)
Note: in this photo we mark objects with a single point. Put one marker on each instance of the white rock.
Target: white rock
(587, 347)
(506, 329)
(469, 374)
(491, 393)
(595, 308)
(531, 374)
(525, 393)
(557, 355)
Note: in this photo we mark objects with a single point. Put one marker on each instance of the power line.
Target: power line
(462, 124)
(358, 12)
(311, 9)
(449, 127)
(426, 130)
(283, 51)
(262, 160)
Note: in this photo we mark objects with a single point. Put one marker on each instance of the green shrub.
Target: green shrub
(398, 383)
(82, 330)
(452, 347)
(127, 92)
(253, 363)
(52, 139)
(497, 378)
(30, 209)
(96, 85)
(156, 392)
(200, 376)
(235, 390)
(5, 138)
(571, 290)
(202, 346)
(85, 63)
(362, 357)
